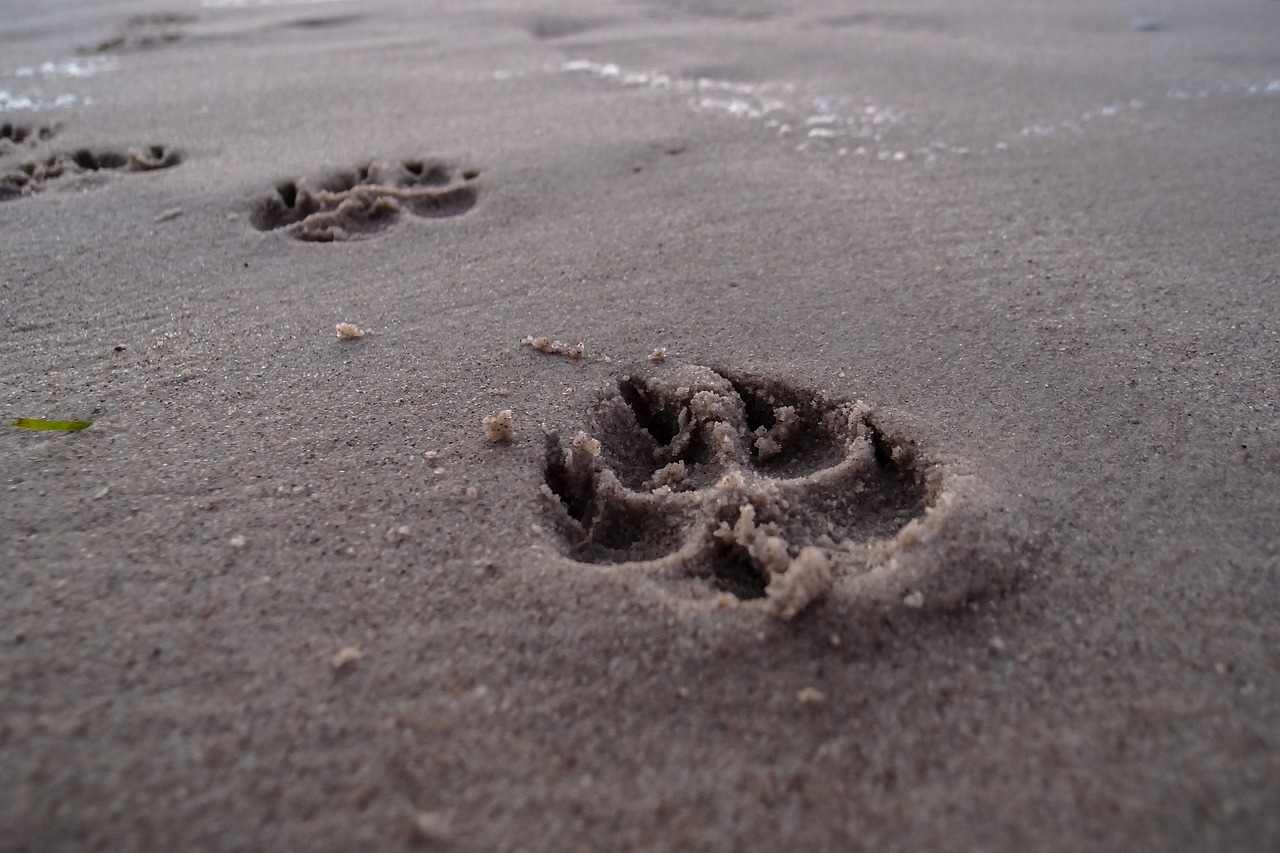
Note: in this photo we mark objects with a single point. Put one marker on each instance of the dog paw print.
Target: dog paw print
(365, 201)
(31, 176)
(762, 490)
(14, 135)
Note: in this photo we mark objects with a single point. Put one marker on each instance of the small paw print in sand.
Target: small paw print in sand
(576, 351)
(349, 331)
(500, 428)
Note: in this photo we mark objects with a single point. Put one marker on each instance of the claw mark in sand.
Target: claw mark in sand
(769, 494)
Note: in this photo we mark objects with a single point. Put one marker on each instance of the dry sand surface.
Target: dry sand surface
(890, 463)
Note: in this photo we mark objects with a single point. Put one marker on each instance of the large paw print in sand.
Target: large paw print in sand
(767, 493)
(366, 200)
(33, 175)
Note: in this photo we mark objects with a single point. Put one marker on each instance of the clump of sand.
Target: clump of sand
(550, 347)
(500, 428)
(349, 331)
(793, 583)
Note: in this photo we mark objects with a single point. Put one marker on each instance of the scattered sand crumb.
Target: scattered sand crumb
(473, 492)
(811, 696)
(349, 331)
(500, 428)
(586, 443)
(171, 213)
(659, 355)
(541, 344)
(238, 541)
(914, 599)
(430, 828)
(346, 658)
(670, 477)
(431, 455)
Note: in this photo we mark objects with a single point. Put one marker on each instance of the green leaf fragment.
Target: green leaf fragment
(57, 426)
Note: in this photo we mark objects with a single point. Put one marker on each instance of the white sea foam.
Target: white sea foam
(11, 102)
(86, 67)
(776, 104)
(243, 4)
(840, 125)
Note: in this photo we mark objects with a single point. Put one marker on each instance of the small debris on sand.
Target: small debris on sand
(811, 696)
(500, 428)
(346, 658)
(586, 444)
(914, 599)
(541, 344)
(659, 355)
(472, 492)
(430, 828)
(349, 331)
(171, 213)
(238, 541)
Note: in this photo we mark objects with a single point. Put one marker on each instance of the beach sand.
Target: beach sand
(915, 484)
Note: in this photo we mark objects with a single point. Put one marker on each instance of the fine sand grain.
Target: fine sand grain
(914, 487)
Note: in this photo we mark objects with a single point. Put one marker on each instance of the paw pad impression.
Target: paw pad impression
(761, 490)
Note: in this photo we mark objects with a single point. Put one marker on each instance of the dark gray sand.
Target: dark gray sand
(915, 486)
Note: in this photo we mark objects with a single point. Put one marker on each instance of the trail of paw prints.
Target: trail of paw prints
(35, 174)
(772, 496)
(142, 32)
(366, 200)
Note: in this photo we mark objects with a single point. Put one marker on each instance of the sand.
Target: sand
(973, 306)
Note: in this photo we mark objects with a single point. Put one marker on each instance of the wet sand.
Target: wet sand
(973, 308)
